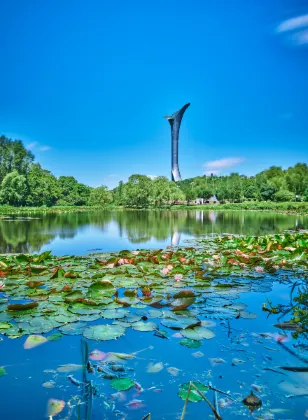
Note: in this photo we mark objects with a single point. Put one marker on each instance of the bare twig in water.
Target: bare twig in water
(273, 370)
(221, 392)
(303, 359)
(147, 417)
(294, 368)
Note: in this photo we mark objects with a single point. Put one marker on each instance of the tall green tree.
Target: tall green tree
(14, 189)
(13, 157)
(43, 187)
(100, 196)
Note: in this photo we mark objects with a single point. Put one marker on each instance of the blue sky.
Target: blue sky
(85, 84)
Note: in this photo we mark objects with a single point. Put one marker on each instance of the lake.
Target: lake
(244, 354)
(83, 233)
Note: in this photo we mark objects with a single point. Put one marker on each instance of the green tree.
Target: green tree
(267, 192)
(100, 196)
(284, 195)
(138, 191)
(72, 192)
(43, 187)
(13, 156)
(14, 189)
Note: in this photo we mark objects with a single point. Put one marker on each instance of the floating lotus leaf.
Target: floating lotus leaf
(75, 328)
(55, 337)
(5, 326)
(180, 323)
(155, 368)
(63, 319)
(193, 395)
(97, 355)
(54, 407)
(198, 333)
(144, 326)
(192, 344)
(103, 332)
(182, 303)
(22, 306)
(184, 294)
(173, 371)
(34, 341)
(2, 371)
(49, 384)
(113, 314)
(122, 384)
(69, 368)
(80, 309)
(247, 315)
(101, 285)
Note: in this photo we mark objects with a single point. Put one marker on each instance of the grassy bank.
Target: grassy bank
(289, 207)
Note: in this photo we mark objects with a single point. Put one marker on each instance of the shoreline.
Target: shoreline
(292, 208)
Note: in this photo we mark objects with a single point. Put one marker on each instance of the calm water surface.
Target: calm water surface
(250, 341)
(81, 233)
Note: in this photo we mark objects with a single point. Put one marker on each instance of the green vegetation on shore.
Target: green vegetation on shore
(24, 183)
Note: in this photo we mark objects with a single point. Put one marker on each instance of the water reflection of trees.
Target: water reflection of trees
(30, 235)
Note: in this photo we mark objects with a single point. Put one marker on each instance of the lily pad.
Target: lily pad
(193, 395)
(192, 344)
(144, 326)
(181, 322)
(104, 332)
(122, 384)
(2, 371)
(198, 333)
(34, 341)
(54, 407)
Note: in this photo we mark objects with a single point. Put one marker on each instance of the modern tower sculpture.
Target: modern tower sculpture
(175, 122)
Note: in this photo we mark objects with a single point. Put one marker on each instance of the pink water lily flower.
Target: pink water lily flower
(2, 285)
(110, 265)
(170, 267)
(178, 277)
(259, 269)
(164, 270)
(136, 252)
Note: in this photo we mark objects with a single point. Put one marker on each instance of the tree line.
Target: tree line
(23, 182)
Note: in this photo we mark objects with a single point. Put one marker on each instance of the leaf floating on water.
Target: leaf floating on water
(198, 333)
(155, 368)
(247, 315)
(49, 384)
(104, 332)
(193, 395)
(173, 371)
(115, 356)
(55, 337)
(54, 407)
(144, 326)
(216, 361)
(236, 362)
(198, 354)
(97, 355)
(22, 306)
(135, 404)
(69, 368)
(34, 341)
(192, 344)
(2, 371)
(122, 384)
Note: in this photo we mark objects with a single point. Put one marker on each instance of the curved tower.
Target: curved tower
(175, 122)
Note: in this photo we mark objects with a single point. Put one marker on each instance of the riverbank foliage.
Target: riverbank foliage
(24, 183)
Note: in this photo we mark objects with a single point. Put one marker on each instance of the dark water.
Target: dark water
(81, 233)
(23, 395)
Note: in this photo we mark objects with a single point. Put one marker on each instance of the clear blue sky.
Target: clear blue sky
(85, 84)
